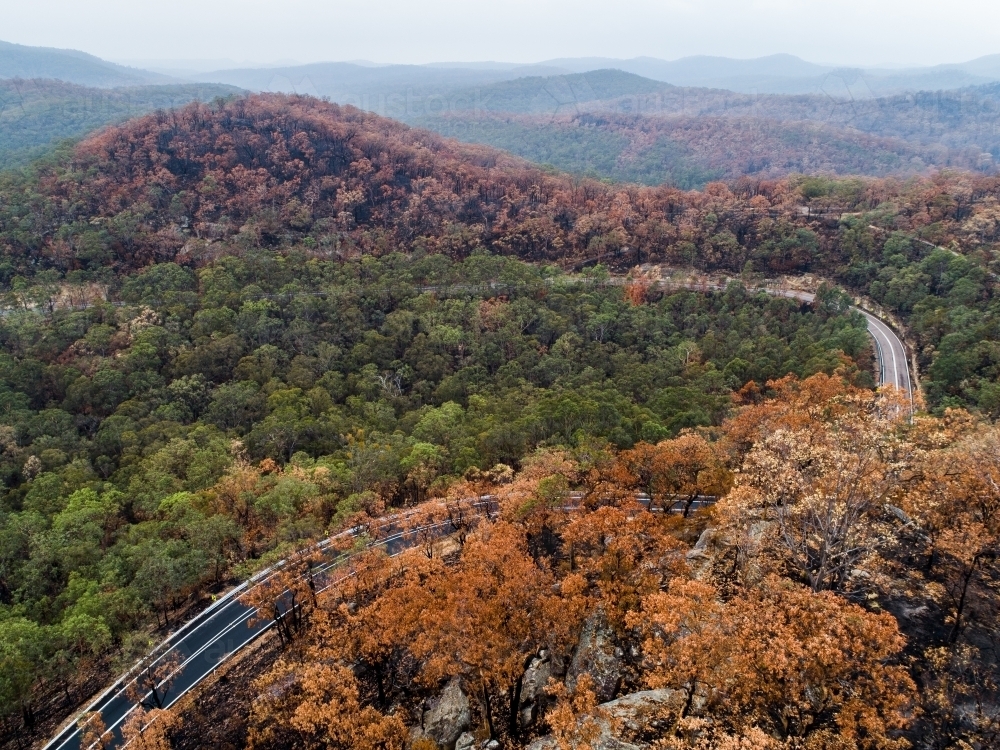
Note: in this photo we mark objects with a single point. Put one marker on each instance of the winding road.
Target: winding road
(890, 352)
(210, 638)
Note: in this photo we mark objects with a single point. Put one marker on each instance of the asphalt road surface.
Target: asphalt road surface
(893, 364)
(890, 352)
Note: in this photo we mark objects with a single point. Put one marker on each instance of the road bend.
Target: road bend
(890, 352)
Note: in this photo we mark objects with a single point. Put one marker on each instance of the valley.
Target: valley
(548, 406)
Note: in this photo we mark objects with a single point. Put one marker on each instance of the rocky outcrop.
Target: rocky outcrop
(468, 742)
(716, 548)
(599, 656)
(645, 713)
(701, 558)
(446, 718)
(629, 722)
(604, 742)
(533, 697)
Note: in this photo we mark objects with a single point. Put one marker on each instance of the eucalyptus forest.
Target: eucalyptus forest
(231, 331)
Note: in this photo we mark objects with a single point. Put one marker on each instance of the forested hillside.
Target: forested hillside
(116, 418)
(689, 152)
(232, 329)
(276, 172)
(608, 626)
(954, 119)
(605, 124)
(36, 114)
(609, 124)
(546, 95)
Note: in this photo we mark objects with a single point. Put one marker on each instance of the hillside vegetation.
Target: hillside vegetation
(610, 124)
(605, 124)
(553, 95)
(952, 118)
(36, 115)
(607, 626)
(121, 422)
(690, 152)
(275, 172)
(301, 316)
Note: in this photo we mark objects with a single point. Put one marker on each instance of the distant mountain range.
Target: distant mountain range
(642, 120)
(72, 66)
(369, 86)
(366, 83)
(954, 118)
(787, 74)
(609, 123)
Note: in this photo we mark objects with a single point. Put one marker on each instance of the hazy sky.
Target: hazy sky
(839, 31)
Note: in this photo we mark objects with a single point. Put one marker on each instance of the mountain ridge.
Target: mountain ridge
(359, 82)
(37, 114)
(72, 66)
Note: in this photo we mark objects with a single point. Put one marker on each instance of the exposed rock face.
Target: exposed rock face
(447, 717)
(465, 742)
(599, 656)
(716, 547)
(702, 556)
(533, 697)
(644, 713)
(637, 717)
(601, 743)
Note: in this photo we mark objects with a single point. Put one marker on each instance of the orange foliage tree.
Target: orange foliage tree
(801, 665)
(317, 705)
(487, 617)
(766, 664)
(816, 481)
(150, 680)
(93, 732)
(149, 730)
(287, 595)
(678, 472)
(955, 503)
(624, 555)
